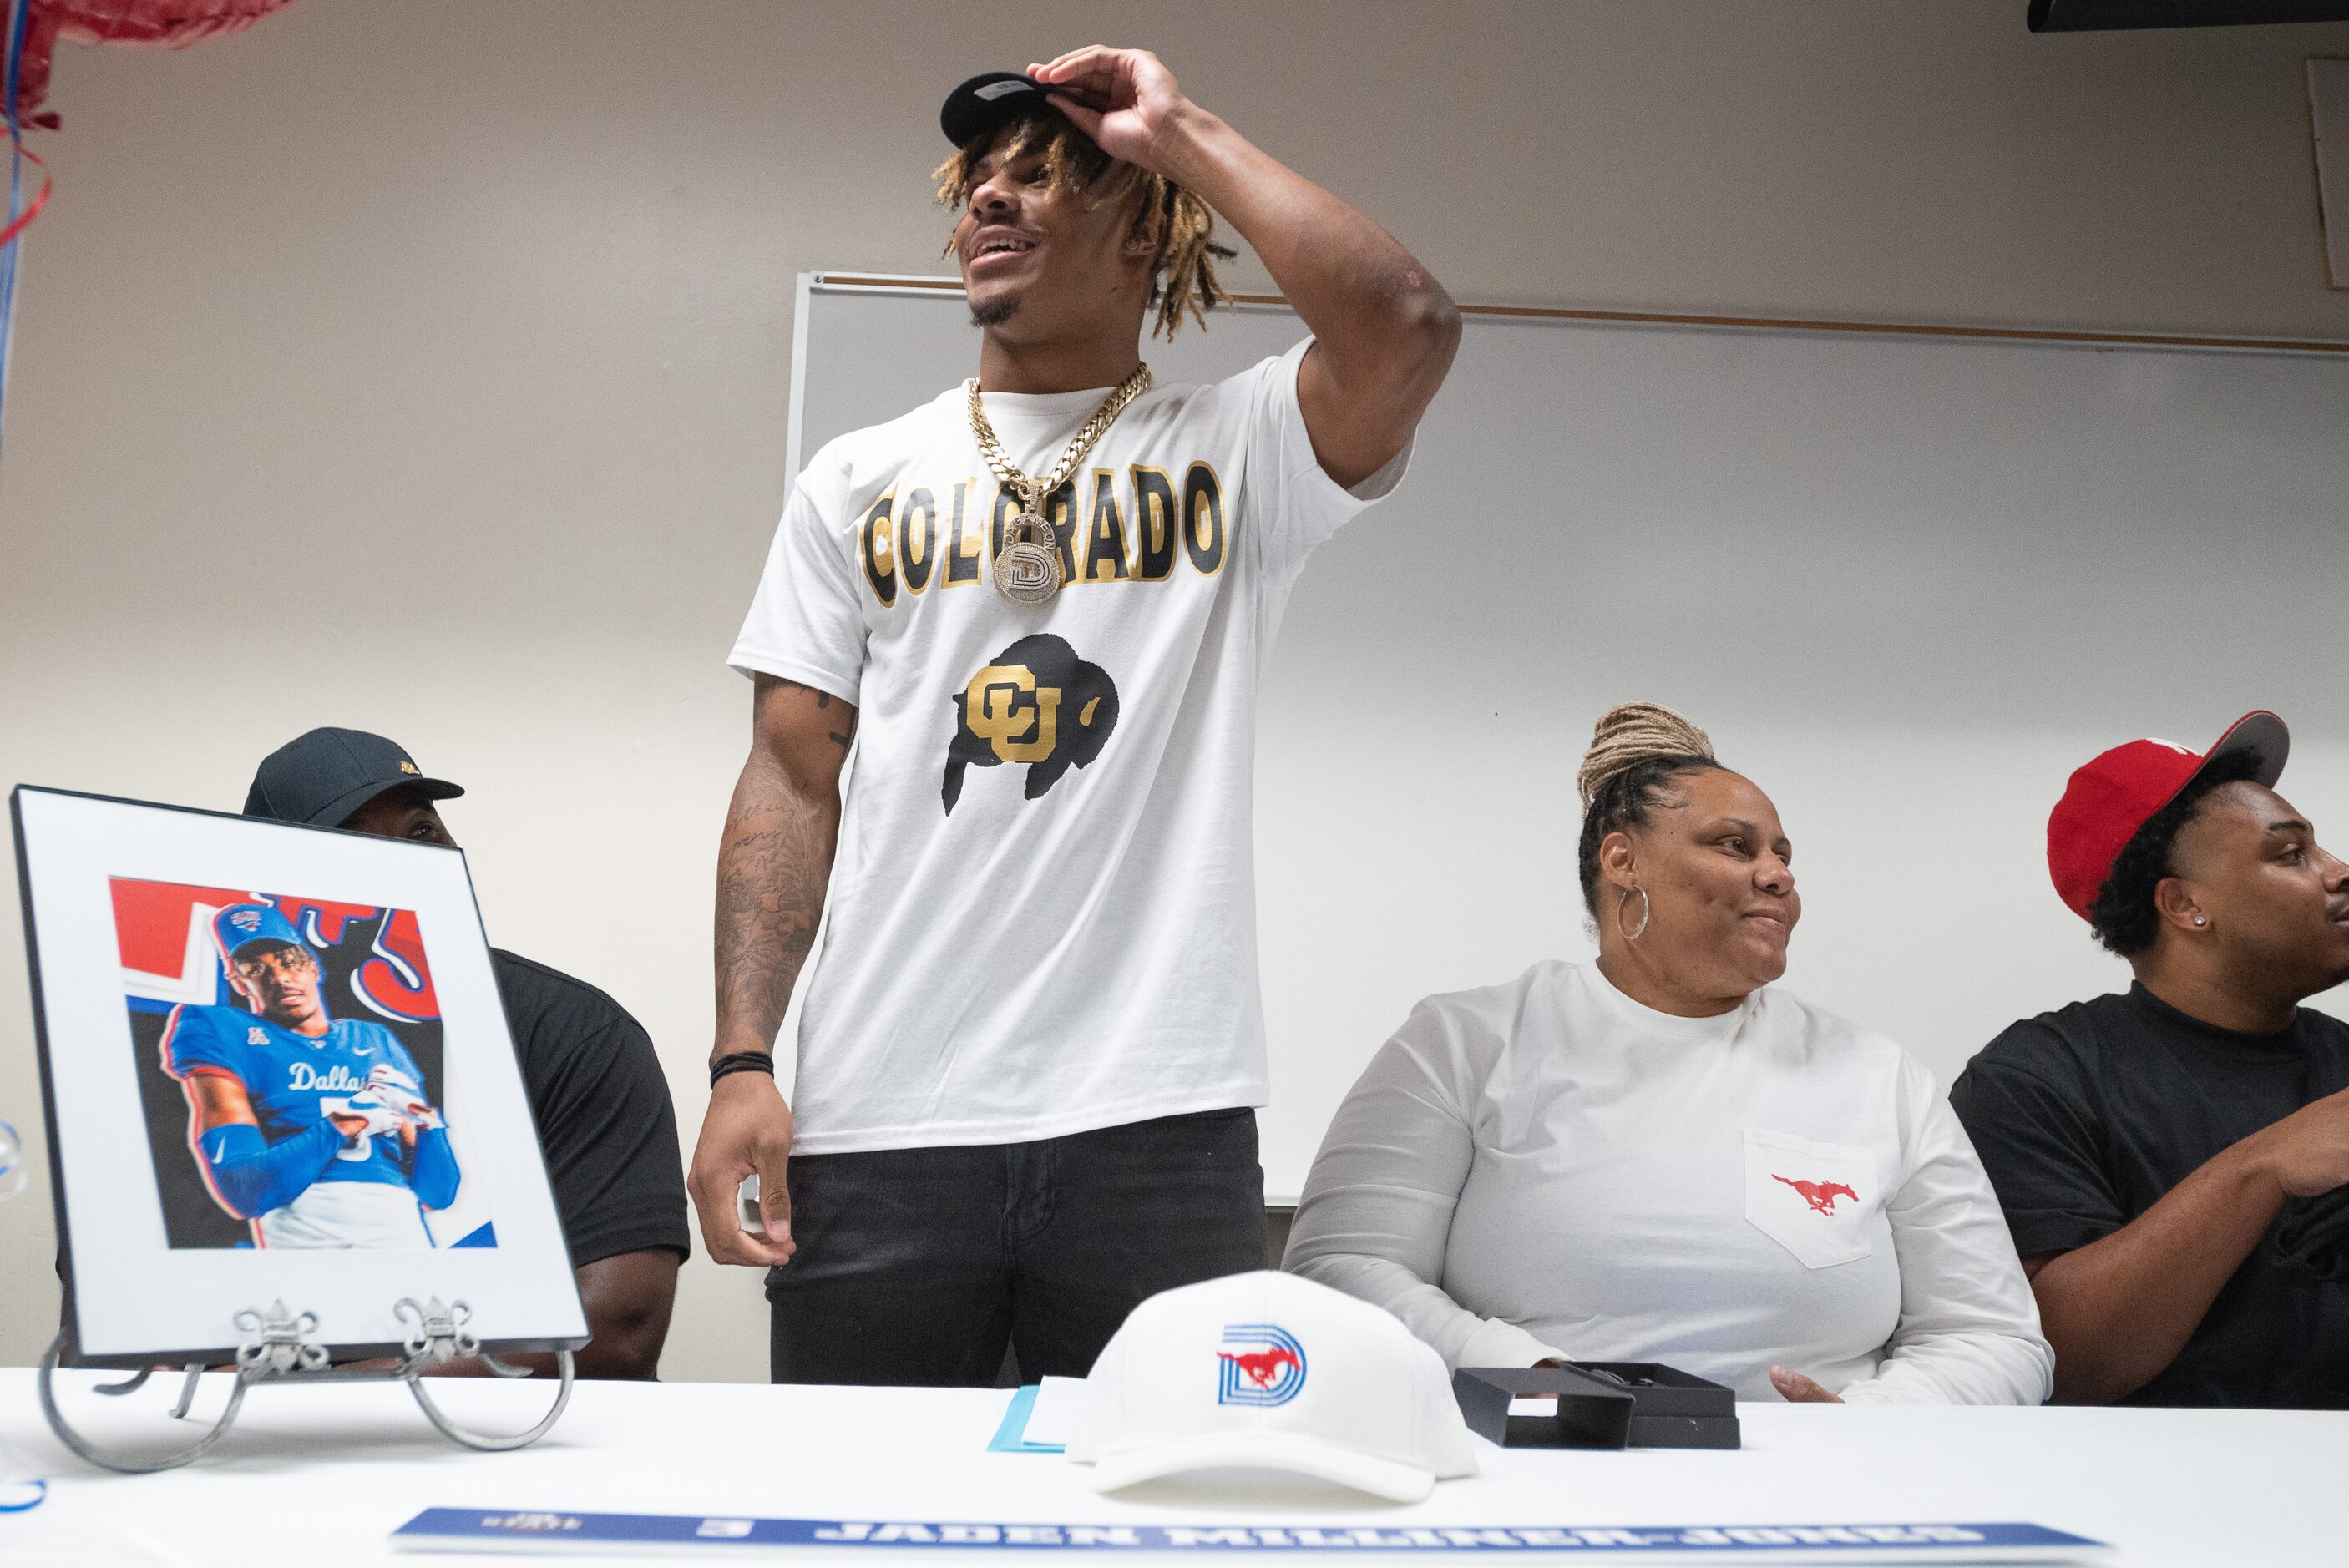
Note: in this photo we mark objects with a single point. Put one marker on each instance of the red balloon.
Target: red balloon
(132, 24)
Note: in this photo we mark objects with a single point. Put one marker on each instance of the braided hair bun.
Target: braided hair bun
(1633, 732)
(1635, 752)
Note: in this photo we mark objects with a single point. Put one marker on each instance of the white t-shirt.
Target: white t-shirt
(1043, 919)
(1548, 1168)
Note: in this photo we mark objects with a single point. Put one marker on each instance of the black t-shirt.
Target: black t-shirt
(603, 1112)
(2085, 1117)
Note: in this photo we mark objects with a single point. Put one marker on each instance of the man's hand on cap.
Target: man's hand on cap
(1124, 99)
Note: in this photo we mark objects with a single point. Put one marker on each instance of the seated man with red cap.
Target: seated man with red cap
(2174, 1158)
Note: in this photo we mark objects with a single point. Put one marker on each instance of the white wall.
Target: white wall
(439, 350)
(1907, 583)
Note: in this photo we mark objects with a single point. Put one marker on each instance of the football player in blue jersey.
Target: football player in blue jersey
(313, 1128)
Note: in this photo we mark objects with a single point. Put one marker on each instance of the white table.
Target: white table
(322, 1475)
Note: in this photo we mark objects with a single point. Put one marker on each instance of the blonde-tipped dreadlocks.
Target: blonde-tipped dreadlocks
(1183, 271)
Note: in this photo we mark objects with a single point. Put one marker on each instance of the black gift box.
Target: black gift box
(1600, 1404)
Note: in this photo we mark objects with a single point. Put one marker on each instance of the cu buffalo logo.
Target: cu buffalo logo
(1260, 1364)
(1820, 1195)
(1037, 702)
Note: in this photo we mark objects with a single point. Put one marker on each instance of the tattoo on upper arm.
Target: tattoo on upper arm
(824, 699)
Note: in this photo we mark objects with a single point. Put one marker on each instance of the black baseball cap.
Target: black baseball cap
(323, 777)
(987, 101)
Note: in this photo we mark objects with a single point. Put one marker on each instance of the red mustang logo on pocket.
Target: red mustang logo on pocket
(1820, 1196)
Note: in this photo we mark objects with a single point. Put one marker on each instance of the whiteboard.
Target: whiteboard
(1906, 583)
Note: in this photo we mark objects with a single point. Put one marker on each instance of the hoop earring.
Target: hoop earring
(1647, 913)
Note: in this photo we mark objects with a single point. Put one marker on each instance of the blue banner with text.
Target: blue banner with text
(453, 1529)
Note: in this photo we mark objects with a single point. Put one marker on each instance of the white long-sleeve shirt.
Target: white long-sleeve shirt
(1546, 1168)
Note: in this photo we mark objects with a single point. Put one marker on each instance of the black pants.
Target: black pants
(918, 1265)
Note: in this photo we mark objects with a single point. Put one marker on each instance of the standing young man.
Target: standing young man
(2157, 1151)
(1027, 1067)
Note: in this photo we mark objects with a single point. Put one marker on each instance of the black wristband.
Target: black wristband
(742, 1062)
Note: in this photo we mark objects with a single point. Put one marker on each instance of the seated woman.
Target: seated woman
(1657, 1156)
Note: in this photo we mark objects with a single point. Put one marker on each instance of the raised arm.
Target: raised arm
(781, 831)
(1384, 329)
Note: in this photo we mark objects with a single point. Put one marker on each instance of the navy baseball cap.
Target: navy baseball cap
(989, 100)
(323, 777)
(242, 924)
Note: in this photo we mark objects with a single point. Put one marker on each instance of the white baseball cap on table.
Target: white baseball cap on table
(1270, 1370)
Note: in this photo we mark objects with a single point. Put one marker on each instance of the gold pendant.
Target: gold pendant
(1027, 567)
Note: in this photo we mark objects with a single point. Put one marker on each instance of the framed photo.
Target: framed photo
(275, 1067)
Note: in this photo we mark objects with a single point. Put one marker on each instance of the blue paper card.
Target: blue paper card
(1011, 1437)
(1040, 1417)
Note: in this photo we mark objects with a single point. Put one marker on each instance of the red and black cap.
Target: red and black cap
(2110, 798)
(987, 101)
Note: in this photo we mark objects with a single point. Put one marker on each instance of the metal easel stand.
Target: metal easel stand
(278, 1348)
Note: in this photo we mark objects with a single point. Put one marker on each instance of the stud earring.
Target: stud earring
(2199, 920)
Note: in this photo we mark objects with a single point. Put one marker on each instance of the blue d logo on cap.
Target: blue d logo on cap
(1268, 1368)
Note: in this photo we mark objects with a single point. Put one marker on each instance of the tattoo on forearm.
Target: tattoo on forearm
(771, 880)
(772, 871)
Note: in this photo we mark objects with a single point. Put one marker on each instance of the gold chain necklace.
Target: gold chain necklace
(1027, 567)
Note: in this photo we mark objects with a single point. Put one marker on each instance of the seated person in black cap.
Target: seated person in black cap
(596, 1088)
(2172, 1159)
